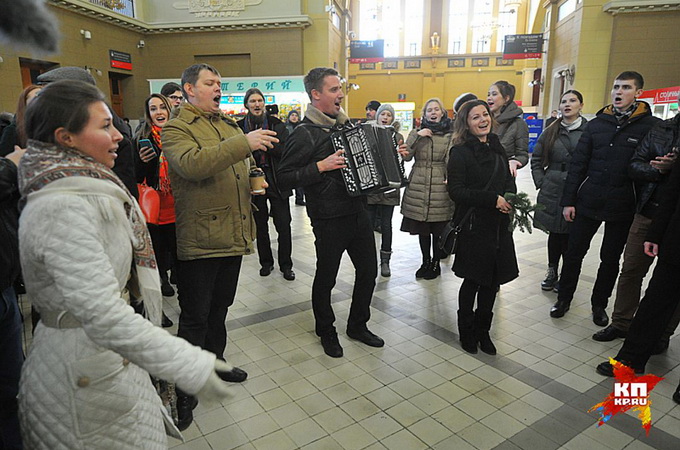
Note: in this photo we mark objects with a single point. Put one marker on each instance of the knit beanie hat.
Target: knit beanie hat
(385, 107)
(373, 104)
(66, 73)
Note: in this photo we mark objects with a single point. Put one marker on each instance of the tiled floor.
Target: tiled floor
(421, 390)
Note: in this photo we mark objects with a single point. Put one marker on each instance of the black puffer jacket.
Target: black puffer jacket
(658, 142)
(325, 193)
(598, 184)
(9, 224)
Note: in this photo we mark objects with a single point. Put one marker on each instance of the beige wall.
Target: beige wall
(648, 43)
(420, 85)
(76, 51)
(234, 53)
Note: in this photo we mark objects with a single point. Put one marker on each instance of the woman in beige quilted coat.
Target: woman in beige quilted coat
(83, 243)
(426, 205)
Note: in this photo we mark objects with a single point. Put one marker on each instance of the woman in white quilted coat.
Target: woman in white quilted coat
(85, 383)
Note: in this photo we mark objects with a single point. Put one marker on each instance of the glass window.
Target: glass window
(368, 21)
(458, 26)
(413, 27)
(381, 19)
(482, 26)
(565, 9)
(507, 24)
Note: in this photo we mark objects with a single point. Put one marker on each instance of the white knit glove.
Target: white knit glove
(214, 388)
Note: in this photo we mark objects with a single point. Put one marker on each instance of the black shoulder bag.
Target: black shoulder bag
(448, 239)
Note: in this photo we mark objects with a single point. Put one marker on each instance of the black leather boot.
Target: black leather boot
(420, 273)
(482, 327)
(185, 410)
(466, 331)
(434, 270)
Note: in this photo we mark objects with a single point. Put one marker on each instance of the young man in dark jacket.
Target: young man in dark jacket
(257, 118)
(661, 299)
(649, 168)
(340, 222)
(11, 353)
(598, 190)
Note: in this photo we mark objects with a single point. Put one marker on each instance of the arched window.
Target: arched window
(458, 26)
(474, 24)
(398, 22)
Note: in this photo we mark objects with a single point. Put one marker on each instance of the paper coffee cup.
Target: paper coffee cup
(257, 181)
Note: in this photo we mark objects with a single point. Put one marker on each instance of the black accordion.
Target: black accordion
(373, 163)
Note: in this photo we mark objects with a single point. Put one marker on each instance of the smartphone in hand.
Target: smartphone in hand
(146, 150)
(145, 143)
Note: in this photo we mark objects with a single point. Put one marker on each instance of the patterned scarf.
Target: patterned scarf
(163, 177)
(622, 116)
(44, 163)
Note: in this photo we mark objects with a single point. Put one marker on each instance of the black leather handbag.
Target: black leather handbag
(448, 239)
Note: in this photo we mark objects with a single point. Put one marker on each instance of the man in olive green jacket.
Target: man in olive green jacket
(209, 161)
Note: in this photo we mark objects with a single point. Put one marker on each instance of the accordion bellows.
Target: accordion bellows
(373, 163)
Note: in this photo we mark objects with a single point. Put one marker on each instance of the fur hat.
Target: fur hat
(462, 98)
(66, 73)
(373, 104)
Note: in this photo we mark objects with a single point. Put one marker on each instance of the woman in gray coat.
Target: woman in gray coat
(512, 129)
(549, 167)
(426, 205)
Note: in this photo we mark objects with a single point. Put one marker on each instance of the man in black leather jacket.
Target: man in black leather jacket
(598, 189)
(649, 168)
(661, 298)
(11, 353)
(340, 222)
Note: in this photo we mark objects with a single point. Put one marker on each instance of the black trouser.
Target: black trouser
(207, 288)
(353, 233)
(582, 231)
(386, 212)
(299, 195)
(557, 247)
(653, 315)
(12, 358)
(164, 240)
(281, 215)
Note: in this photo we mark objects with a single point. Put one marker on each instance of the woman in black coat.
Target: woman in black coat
(549, 168)
(485, 258)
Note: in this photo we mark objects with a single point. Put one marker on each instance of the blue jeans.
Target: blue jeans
(11, 359)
